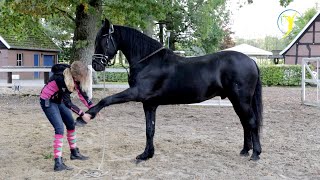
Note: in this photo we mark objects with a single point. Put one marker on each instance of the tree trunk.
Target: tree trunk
(85, 32)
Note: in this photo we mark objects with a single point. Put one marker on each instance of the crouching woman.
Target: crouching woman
(56, 104)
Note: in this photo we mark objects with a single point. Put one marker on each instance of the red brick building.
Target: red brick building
(27, 52)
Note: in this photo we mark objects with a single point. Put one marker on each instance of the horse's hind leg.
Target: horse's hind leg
(150, 113)
(250, 127)
(255, 140)
(247, 140)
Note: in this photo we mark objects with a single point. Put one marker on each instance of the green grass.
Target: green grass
(47, 156)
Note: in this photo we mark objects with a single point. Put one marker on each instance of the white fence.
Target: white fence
(310, 94)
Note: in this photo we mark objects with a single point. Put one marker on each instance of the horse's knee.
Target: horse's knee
(253, 123)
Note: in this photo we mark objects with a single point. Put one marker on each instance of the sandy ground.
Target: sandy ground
(192, 142)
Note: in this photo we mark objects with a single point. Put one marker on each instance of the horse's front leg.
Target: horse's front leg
(129, 94)
(150, 114)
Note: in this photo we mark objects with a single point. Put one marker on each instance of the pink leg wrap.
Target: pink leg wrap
(72, 138)
(57, 145)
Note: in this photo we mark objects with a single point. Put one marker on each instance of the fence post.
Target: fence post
(90, 83)
(46, 77)
(9, 79)
(303, 81)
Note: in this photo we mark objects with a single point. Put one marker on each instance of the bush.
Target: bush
(113, 76)
(281, 75)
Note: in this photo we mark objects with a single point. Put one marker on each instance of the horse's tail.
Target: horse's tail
(257, 105)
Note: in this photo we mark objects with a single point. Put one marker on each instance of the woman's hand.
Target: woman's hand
(86, 117)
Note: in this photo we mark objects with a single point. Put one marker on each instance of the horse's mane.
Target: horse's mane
(139, 42)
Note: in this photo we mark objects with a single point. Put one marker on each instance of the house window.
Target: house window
(19, 59)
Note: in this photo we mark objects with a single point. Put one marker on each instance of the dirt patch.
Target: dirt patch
(192, 142)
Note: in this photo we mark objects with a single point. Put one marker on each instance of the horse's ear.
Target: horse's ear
(106, 23)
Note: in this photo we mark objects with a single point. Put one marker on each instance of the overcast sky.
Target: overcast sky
(260, 18)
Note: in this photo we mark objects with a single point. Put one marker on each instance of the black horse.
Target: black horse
(159, 77)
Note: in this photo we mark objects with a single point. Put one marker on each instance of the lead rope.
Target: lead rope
(95, 173)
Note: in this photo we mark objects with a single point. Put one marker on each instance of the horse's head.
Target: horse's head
(105, 47)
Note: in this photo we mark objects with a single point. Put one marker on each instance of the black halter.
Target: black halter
(103, 58)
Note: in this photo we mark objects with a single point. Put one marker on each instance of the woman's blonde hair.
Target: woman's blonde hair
(81, 71)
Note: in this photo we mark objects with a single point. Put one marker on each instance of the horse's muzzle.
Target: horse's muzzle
(99, 62)
(98, 67)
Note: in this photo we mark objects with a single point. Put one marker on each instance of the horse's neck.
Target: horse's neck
(129, 47)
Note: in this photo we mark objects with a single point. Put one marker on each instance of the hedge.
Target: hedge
(271, 75)
(113, 76)
(281, 75)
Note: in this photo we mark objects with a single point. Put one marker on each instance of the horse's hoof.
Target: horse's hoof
(80, 122)
(144, 156)
(254, 158)
(244, 153)
(92, 113)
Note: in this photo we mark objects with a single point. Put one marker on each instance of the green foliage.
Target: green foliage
(193, 22)
(203, 24)
(16, 24)
(273, 43)
(112, 76)
(60, 29)
(132, 13)
(268, 43)
(285, 3)
(283, 75)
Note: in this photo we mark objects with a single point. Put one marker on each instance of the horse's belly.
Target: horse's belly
(184, 89)
(182, 97)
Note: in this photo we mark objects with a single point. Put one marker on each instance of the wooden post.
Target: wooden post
(90, 79)
(9, 79)
(46, 77)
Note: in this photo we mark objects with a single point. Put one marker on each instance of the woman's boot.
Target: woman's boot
(72, 139)
(75, 154)
(57, 146)
(59, 165)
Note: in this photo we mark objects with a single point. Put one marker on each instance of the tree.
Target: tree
(81, 17)
(68, 18)
(285, 3)
(269, 43)
(87, 17)
(17, 24)
(227, 42)
(196, 23)
(273, 43)
(76, 19)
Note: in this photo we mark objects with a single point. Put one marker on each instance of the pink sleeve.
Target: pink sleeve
(84, 98)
